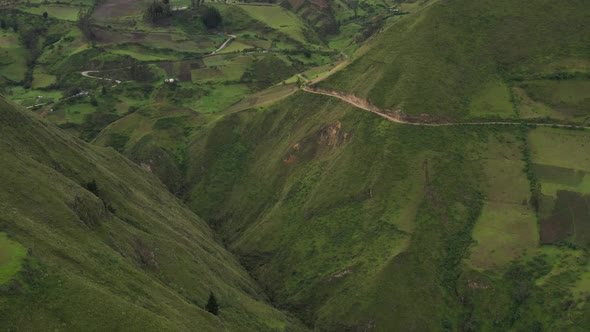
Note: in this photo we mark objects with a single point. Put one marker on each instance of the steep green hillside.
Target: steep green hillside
(353, 222)
(478, 59)
(90, 241)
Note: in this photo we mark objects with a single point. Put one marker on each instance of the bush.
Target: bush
(212, 305)
(211, 17)
(92, 187)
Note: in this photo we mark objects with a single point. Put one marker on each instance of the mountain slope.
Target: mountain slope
(120, 253)
(463, 58)
(356, 223)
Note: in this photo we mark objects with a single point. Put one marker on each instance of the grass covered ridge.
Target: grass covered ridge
(443, 57)
(119, 255)
(344, 216)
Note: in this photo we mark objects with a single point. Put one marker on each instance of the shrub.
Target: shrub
(212, 305)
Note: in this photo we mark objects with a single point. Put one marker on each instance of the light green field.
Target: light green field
(506, 228)
(222, 68)
(8, 39)
(504, 232)
(76, 113)
(13, 64)
(67, 13)
(71, 2)
(235, 46)
(561, 99)
(269, 95)
(11, 257)
(529, 109)
(206, 75)
(142, 55)
(492, 100)
(554, 147)
(551, 147)
(277, 18)
(220, 97)
(42, 79)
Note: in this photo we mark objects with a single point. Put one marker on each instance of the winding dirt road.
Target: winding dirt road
(399, 117)
(393, 116)
(87, 74)
(117, 82)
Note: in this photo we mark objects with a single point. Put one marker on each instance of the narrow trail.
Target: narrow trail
(425, 120)
(231, 37)
(87, 74)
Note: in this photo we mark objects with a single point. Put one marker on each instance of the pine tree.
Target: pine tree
(212, 305)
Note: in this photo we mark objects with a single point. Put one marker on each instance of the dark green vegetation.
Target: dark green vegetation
(342, 219)
(449, 55)
(107, 247)
(351, 221)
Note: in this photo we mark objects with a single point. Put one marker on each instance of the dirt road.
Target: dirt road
(117, 82)
(399, 117)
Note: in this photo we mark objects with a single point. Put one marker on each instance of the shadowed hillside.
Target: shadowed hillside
(96, 243)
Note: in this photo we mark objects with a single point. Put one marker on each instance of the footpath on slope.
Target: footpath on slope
(398, 116)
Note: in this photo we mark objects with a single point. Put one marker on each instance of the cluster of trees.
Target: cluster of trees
(84, 23)
(4, 25)
(158, 10)
(211, 17)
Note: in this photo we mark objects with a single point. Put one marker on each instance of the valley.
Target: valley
(371, 165)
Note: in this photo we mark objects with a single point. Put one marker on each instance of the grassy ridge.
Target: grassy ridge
(126, 255)
(440, 57)
(352, 221)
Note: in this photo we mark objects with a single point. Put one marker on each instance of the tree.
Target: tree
(45, 15)
(212, 305)
(211, 17)
(3, 25)
(157, 10)
(165, 2)
(92, 187)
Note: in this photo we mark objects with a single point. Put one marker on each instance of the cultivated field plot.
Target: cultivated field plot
(561, 161)
(141, 53)
(279, 19)
(60, 12)
(42, 79)
(269, 95)
(560, 99)
(175, 41)
(220, 97)
(11, 257)
(507, 227)
(220, 68)
(118, 11)
(13, 64)
(493, 100)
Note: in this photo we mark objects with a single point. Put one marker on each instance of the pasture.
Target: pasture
(60, 12)
(564, 179)
(13, 63)
(277, 18)
(493, 100)
(561, 99)
(506, 228)
(11, 258)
